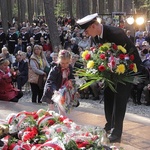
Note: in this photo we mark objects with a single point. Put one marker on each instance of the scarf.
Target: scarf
(65, 73)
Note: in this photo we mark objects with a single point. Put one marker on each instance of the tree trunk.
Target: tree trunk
(94, 6)
(30, 10)
(51, 21)
(111, 6)
(85, 6)
(101, 6)
(82, 8)
(4, 15)
(22, 10)
(35, 8)
(127, 6)
(19, 11)
(69, 8)
(39, 7)
(78, 9)
(9, 5)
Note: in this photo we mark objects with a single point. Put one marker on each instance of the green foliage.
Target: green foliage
(15, 10)
(142, 5)
(71, 145)
(59, 9)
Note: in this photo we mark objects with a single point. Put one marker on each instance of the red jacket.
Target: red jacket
(47, 47)
(7, 90)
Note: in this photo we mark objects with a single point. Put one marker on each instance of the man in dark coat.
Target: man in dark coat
(2, 39)
(21, 69)
(114, 103)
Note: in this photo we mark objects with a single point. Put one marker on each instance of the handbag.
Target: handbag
(47, 69)
(32, 76)
(41, 81)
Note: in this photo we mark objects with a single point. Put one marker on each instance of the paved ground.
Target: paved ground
(136, 134)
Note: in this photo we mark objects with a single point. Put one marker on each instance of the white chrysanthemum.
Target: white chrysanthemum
(93, 71)
(13, 129)
(80, 81)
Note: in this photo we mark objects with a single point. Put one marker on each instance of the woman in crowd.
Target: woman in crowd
(37, 76)
(7, 91)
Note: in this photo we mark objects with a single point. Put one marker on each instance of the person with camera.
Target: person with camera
(21, 71)
(7, 91)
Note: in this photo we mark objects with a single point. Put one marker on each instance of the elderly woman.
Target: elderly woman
(7, 91)
(5, 54)
(37, 76)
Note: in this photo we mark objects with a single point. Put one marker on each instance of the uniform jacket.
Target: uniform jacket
(117, 35)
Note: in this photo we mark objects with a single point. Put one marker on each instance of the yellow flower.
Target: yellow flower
(107, 44)
(120, 69)
(90, 64)
(85, 53)
(135, 68)
(105, 47)
(121, 49)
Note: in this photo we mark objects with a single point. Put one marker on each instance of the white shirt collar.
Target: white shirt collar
(101, 36)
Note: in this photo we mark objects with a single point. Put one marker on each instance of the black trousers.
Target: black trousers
(36, 93)
(115, 107)
(21, 80)
(16, 99)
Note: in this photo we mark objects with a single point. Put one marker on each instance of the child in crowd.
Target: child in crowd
(59, 74)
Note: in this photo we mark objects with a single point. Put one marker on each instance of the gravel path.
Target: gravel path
(140, 110)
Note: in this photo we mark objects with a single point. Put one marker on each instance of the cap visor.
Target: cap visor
(82, 30)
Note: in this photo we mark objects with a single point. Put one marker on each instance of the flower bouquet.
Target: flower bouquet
(109, 64)
(66, 98)
(47, 130)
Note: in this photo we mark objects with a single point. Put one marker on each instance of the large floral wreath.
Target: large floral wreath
(47, 130)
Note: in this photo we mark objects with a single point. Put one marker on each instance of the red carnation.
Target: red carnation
(51, 122)
(131, 57)
(131, 66)
(83, 144)
(121, 56)
(102, 56)
(100, 45)
(101, 68)
(12, 145)
(114, 46)
(87, 57)
(113, 63)
(92, 48)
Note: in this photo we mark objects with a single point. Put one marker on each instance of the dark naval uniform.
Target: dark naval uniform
(25, 38)
(114, 103)
(12, 39)
(2, 39)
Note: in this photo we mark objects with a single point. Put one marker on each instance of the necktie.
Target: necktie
(100, 40)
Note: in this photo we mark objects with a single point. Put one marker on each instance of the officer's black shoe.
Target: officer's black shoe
(114, 138)
(139, 103)
(1, 143)
(147, 104)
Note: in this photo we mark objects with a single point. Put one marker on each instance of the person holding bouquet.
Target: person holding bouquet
(114, 102)
(59, 76)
